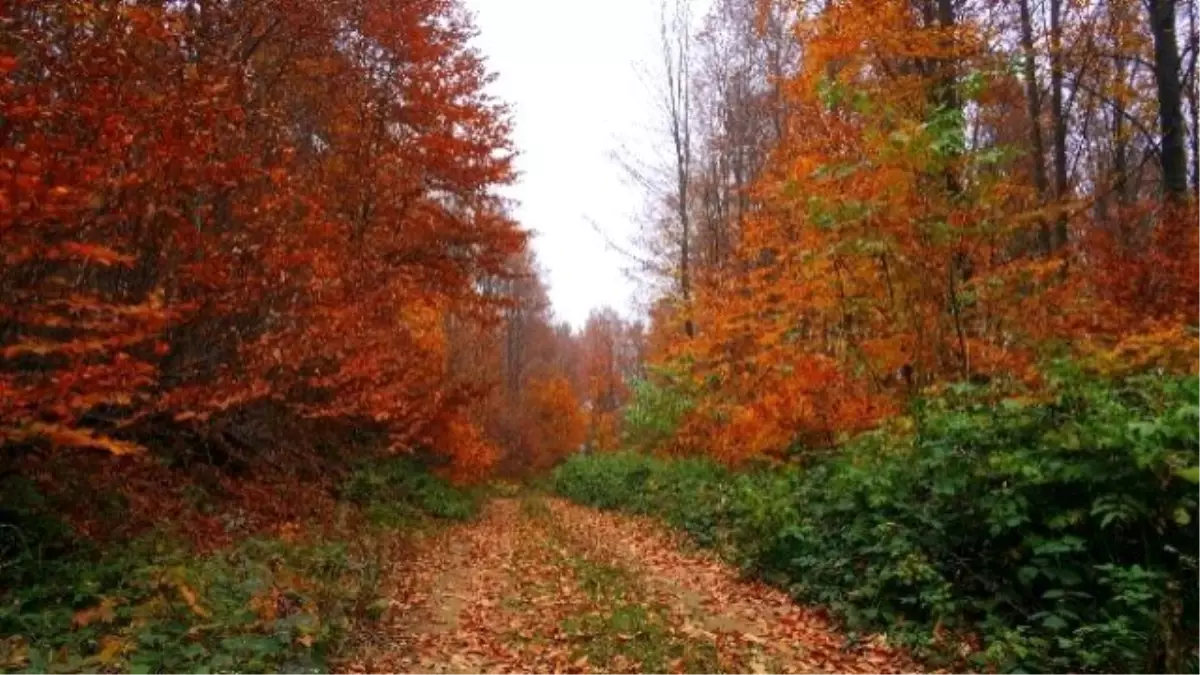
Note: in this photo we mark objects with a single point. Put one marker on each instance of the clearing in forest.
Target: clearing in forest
(541, 585)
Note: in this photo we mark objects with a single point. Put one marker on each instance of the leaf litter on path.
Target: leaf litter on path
(750, 613)
(547, 586)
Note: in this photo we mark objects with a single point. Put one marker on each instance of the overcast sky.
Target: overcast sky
(570, 72)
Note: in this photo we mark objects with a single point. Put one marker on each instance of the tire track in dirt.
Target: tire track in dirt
(446, 611)
(792, 638)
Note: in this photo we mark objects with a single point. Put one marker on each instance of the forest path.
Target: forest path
(542, 585)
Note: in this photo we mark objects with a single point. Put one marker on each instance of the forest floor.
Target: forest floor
(542, 585)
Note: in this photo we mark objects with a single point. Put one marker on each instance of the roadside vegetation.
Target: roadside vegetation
(284, 598)
(1053, 532)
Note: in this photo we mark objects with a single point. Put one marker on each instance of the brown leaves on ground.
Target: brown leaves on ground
(553, 587)
(448, 610)
(798, 639)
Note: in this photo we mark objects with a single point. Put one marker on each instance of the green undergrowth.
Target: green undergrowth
(399, 492)
(279, 602)
(1048, 534)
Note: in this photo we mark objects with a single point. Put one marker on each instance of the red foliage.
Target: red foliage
(192, 222)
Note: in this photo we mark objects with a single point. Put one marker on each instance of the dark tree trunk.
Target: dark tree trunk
(1170, 94)
(1190, 87)
(1058, 118)
(1033, 98)
(947, 92)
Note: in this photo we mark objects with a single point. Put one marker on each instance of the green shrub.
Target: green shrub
(1061, 532)
(656, 407)
(154, 606)
(29, 534)
(398, 490)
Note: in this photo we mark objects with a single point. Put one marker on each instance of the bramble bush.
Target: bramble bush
(1052, 534)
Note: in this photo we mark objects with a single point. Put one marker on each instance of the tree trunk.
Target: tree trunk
(683, 163)
(676, 59)
(947, 97)
(947, 91)
(1121, 183)
(1058, 119)
(1170, 113)
(1033, 97)
(1193, 103)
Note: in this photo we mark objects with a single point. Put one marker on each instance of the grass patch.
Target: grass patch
(534, 507)
(602, 582)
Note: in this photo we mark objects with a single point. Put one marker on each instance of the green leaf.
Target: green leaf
(1143, 429)
(1182, 517)
(1191, 474)
(1054, 622)
(1189, 412)
(1027, 574)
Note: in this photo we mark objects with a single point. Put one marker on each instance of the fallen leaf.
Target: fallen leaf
(102, 612)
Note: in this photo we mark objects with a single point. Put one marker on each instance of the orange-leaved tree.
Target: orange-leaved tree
(194, 224)
(556, 423)
(917, 222)
(612, 352)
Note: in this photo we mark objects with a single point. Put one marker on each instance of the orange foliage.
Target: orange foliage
(192, 223)
(887, 250)
(612, 353)
(557, 426)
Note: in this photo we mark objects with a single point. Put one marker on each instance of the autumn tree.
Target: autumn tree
(194, 225)
(526, 372)
(613, 353)
(926, 213)
(744, 50)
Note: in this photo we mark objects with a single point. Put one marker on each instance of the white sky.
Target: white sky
(570, 72)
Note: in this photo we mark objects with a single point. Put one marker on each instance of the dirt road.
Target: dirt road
(541, 585)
